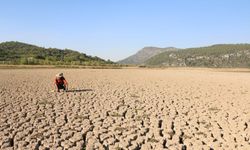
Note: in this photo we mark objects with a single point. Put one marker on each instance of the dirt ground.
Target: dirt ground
(125, 109)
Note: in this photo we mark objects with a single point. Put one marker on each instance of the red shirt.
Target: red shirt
(60, 80)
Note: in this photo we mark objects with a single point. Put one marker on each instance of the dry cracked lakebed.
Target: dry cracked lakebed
(125, 109)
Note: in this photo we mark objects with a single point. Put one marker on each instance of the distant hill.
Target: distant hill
(22, 53)
(144, 54)
(222, 55)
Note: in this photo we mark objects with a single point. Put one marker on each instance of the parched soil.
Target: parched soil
(125, 109)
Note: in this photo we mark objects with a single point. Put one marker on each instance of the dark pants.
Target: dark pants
(60, 86)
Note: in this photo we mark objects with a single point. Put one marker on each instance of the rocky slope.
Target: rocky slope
(223, 55)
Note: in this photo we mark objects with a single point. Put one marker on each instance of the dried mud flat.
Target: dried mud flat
(125, 109)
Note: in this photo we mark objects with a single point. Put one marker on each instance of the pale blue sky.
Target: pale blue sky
(115, 29)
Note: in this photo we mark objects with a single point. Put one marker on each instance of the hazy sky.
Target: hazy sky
(115, 29)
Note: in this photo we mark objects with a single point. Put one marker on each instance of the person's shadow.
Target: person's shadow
(81, 90)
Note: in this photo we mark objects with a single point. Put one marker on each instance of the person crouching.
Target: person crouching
(60, 82)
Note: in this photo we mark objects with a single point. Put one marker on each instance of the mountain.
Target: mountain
(22, 53)
(221, 55)
(144, 54)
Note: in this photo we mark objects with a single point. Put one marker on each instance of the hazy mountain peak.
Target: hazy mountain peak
(144, 54)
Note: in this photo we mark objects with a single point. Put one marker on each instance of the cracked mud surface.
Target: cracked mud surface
(125, 109)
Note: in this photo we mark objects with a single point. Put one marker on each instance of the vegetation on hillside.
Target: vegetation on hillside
(26, 54)
(223, 55)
